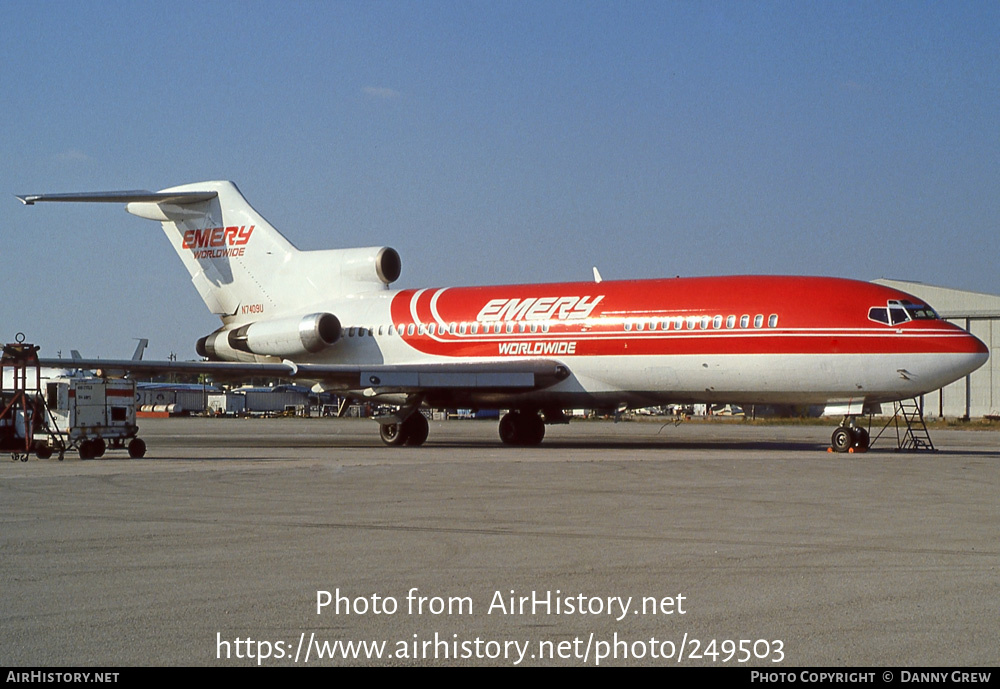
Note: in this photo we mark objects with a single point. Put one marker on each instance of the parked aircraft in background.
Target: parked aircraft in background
(329, 317)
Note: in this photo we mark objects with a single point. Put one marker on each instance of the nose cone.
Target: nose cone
(949, 353)
(982, 353)
(972, 354)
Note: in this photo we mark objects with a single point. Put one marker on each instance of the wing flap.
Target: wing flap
(521, 376)
(415, 381)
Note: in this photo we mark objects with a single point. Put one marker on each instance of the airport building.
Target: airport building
(978, 394)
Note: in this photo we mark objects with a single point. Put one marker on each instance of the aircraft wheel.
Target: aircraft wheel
(861, 439)
(521, 428)
(841, 441)
(392, 433)
(137, 448)
(416, 428)
(532, 429)
(510, 429)
(100, 447)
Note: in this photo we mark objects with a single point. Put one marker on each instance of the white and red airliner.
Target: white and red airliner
(329, 317)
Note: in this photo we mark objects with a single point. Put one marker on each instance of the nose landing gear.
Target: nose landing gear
(849, 438)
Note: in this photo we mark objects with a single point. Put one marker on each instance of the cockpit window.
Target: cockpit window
(879, 314)
(918, 311)
(898, 311)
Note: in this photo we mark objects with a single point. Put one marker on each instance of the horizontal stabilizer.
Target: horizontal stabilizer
(177, 198)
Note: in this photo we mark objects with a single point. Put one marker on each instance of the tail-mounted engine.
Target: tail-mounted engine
(369, 264)
(283, 337)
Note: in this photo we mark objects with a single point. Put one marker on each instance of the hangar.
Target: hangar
(978, 394)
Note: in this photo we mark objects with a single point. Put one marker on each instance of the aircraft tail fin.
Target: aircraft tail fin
(139, 349)
(243, 268)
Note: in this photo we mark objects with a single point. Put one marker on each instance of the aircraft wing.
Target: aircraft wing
(497, 376)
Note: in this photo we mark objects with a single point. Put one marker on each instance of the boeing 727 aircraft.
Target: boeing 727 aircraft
(329, 317)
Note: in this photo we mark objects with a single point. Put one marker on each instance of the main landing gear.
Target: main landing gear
(849, 437)
(522, 428)
(519, 428)
(411, 431)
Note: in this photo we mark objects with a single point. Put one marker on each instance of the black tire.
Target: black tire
(522, 428)
(861, 439)
(510, 429)
(43, 451)
(86, 450)
(842, 440)
(392, 433)
(532, 429)
(100, 447)
(416, 429)
(137, 448)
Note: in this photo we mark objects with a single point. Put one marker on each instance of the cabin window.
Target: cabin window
(758, 320)
(730, 321)
(772, 321)
(410, 329)
(744, 321)
(717, 322)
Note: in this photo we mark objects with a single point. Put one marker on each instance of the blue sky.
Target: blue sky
(496, 142)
